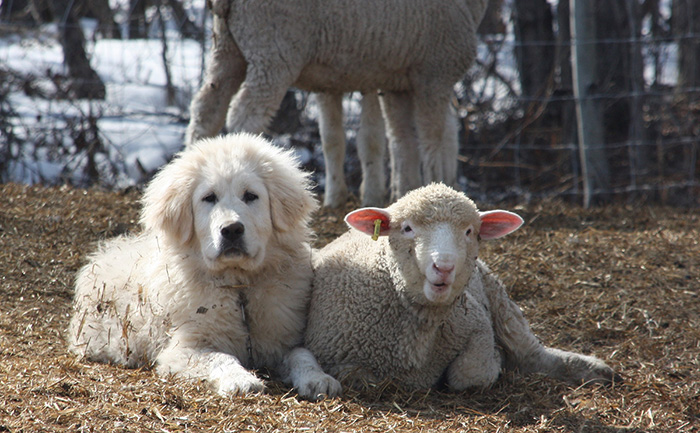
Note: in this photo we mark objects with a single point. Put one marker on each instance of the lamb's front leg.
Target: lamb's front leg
(300, 369)
(525, 352)
(479, 365)
(570, 366)
(223, 371)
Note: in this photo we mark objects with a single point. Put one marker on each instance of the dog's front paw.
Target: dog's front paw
(318, 385)
(236, 381)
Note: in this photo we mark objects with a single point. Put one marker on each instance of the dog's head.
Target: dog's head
(228, 196)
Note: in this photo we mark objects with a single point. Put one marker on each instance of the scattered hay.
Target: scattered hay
(619, 282)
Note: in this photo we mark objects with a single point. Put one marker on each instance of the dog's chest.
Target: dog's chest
(220, 319)
(256, 329)
(275, 322)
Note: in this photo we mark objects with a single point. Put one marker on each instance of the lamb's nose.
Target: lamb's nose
(233, 232)
(444, 268)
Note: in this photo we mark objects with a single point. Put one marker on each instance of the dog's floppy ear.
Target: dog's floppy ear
(167, 203)
(289, 188)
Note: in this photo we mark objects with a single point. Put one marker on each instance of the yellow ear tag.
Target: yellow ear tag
(377, 227)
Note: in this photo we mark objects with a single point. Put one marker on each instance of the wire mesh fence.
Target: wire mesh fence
(528, 142)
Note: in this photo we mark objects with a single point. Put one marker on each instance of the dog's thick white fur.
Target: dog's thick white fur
(218, 282)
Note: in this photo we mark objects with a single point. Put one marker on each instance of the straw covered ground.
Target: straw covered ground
(619, 282)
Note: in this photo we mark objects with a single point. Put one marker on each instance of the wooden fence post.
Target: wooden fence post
(594, 165)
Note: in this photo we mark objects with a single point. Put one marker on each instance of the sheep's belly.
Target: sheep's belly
(323, 78)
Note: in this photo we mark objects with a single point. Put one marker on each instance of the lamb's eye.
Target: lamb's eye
(210, 198)
(407, 230)
(249, 196)
(469, 231)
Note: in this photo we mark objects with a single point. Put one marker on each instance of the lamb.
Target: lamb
(417, 305)
(413, 51)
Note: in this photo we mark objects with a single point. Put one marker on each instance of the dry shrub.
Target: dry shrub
(618, 282)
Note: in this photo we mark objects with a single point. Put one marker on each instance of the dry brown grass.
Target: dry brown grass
(619, 282)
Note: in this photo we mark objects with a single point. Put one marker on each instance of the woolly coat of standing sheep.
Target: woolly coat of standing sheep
(411, 50)
(417, 305)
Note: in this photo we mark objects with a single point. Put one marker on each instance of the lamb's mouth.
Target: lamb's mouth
(437, 292)
(440, 287)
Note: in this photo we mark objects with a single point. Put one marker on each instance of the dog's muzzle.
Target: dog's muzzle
(232, 240)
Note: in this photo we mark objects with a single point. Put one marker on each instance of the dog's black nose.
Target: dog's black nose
(233, 232)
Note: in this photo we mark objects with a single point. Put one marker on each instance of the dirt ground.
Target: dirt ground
(618, 282)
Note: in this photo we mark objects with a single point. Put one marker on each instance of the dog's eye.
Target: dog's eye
(249, 196)
(210, 198)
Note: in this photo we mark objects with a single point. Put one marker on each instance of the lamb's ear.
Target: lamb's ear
(364, 220)
(498, 223)
(167, 202)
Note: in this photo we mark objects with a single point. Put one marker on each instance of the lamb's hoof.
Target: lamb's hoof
(319, 387)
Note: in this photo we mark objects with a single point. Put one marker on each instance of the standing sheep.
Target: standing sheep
(417, 305)
(411, 50)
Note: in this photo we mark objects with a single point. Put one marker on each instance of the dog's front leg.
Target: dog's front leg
(300, 368)
(224, 372)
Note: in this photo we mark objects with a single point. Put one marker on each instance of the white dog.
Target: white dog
(218, 283)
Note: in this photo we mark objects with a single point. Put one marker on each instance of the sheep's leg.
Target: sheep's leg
(437, 156)
(330, 125)
(524, 351)
(371, 144)
(403, 143)
(573, 367)
(354, 376)
(301, 369)
(225, 72)
(479, 365)
(450, 148)
(259, 98)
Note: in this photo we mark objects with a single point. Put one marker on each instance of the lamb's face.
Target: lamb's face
(434, 234)
(436, 259)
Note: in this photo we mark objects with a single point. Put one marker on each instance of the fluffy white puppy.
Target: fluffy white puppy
(218, 282)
